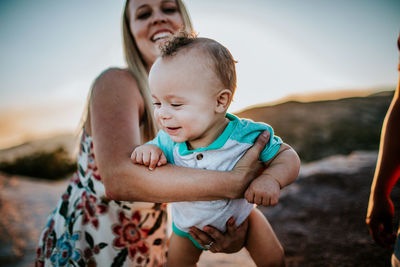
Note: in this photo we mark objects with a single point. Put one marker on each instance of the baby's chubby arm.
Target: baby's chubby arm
(280, 171)
(149, 155)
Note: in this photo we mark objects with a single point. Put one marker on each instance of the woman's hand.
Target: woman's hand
(380, 222)
(249, 166)
(229, 242)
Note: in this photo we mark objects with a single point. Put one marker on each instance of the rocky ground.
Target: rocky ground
(319, 220)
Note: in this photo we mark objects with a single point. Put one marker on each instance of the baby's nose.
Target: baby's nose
(164, 113)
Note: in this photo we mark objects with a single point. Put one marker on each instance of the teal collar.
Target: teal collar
(218, 143)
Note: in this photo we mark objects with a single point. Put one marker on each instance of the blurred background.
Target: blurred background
(321, 72)
(51, 51)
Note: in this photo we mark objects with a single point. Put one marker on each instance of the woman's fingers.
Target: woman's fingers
(249, 166)
(379, 235)
(235, 236)
(231, 226)
(229, 242)
(260, 144)
(213, 233)
(262, 140)
(253, 153)
(218, 238)
(210, 235)
(382, 233)
(201, 237)
(194, 233)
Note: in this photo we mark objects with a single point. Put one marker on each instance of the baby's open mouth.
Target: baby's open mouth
(172, 130)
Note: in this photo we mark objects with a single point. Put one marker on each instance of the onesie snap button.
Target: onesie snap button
(199, 156)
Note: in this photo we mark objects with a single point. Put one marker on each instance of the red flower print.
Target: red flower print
(75, 178)
(130, 235)
(48, 240)
(92, 166)
(91, 209)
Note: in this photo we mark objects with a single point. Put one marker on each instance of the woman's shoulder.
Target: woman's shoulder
(116, 86)
(116, 81)
(113, 76)
(114, 91)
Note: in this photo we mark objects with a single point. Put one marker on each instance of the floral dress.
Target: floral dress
(88, 229)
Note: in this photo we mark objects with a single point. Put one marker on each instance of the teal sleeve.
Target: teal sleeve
(272, 147)
(166, 144)
(247, 131)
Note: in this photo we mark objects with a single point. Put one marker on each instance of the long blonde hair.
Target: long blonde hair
(137, 66)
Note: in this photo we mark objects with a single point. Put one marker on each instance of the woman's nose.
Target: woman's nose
(158, 18)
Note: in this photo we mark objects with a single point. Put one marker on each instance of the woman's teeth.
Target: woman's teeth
(160, 35)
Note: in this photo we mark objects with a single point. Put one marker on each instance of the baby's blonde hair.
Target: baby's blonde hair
(222, 60)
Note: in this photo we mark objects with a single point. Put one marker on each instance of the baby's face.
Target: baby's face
(184, 96)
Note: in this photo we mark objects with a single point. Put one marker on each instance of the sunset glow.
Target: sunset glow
(284, 48)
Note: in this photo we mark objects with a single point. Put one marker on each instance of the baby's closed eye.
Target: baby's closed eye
(176, 105)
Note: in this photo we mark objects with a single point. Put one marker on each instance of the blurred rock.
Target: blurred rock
(340, 164)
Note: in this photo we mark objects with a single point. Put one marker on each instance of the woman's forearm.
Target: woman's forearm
(124, 180)
(132, 182)
(388, 166)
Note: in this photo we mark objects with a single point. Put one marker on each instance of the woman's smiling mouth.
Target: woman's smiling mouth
(161, 35)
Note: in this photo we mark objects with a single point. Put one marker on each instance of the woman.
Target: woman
(93, 224)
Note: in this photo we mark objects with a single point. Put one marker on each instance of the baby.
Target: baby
(192, 85)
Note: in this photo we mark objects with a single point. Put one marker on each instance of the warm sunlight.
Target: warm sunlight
(283, 49)
(319, 76)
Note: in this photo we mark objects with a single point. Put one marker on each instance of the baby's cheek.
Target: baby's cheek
(157, 118)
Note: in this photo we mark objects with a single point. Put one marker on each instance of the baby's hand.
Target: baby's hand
(149, 155)
(264, 190)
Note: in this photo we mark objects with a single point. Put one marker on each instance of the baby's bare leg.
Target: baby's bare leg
(262, 243)
(182, 252)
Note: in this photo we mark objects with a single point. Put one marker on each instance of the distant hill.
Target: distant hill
(315, 129)
(66, 141)
(50, 158)
(323, 128)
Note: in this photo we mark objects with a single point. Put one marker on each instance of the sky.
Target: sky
(51, 51)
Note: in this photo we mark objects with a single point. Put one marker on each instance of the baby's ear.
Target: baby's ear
(224, 98)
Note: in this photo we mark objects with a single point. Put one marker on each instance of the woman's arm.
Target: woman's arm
(116, 109)
(380, 209)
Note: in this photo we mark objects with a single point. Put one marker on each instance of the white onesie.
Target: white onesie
(221, 155)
